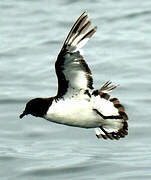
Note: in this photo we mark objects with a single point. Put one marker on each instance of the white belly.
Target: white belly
(73, 112)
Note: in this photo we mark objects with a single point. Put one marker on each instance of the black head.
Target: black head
(37, 107)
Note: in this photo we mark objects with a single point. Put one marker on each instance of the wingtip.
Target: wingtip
(79, 31)
(85, 12)
(108, 86)
(121, 133)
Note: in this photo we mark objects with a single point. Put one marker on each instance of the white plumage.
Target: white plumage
(77, 103)
(79, 106)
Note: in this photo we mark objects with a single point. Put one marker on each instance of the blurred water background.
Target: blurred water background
(31, 35)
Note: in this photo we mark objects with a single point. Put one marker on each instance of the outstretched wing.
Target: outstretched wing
(115, 124)
(71, 69)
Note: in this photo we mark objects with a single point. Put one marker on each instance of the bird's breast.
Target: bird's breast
(73, 112)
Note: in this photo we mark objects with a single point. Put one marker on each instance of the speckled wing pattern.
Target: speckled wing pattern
(113, 112)
(71, 69)
(74, 74)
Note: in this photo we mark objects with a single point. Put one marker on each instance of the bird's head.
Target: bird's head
(37, 107)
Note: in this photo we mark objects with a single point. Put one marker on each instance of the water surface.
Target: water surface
(31, 35)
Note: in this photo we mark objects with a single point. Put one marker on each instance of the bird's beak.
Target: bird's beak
(22, 115)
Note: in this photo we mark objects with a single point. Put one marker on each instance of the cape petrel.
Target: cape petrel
(77, 103)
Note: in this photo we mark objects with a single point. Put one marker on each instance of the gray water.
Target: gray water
(31, 35)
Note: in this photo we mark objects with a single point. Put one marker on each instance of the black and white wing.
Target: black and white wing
(71, 69)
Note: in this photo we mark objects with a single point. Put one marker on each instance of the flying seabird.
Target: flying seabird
(77, 103)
